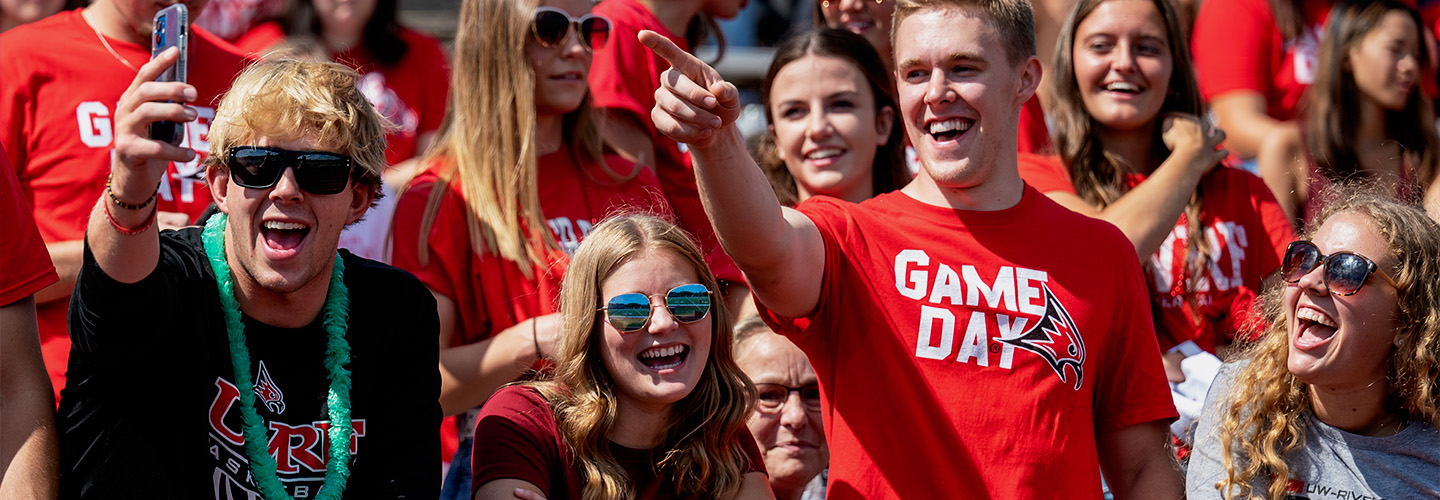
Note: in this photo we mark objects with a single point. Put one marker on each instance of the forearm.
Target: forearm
(1138, 463)
(470, 373)
(126, 258)
(67, 257)
(1147, 214)
(1156, 480)
(748, 219)
(28, 448)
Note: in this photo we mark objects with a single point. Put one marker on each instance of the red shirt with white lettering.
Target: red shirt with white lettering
(491, 293)
(1238, 46)
(1247, 232)
(58, 90)
(975, 353)
(623, 79)
(27, 266)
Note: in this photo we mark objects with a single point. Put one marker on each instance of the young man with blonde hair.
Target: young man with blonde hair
(284, 371)
(961, 352)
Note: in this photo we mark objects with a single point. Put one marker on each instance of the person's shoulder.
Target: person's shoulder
(420, 40)
(214, 54)
(1051, 218)
(628, 16)
(515, 400)
(400, 288)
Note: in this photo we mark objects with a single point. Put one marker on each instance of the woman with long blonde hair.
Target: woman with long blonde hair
(478, 226)
(1342, 394)
(646, 401)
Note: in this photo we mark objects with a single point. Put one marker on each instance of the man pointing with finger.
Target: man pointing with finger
(972, 338)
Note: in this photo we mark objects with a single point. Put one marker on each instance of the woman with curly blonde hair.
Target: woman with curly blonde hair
(1343, 392)
(646, 400)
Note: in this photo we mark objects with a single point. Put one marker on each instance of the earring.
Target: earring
(825, 4)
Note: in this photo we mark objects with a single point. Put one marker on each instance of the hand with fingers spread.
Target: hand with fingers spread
(1186, 133)
(693, 101)
(139, 162)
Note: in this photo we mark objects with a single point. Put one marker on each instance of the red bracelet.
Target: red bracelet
(149, 221)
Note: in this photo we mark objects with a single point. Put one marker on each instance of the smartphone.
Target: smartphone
(171, 29)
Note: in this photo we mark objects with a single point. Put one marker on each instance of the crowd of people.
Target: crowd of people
(1190, 254)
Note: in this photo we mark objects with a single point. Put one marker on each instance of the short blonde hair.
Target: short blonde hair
(1013, 19)
(289, 99)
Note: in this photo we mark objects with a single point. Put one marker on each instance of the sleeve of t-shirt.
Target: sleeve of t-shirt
(14, 97)
(1232, 43)
(1046, 174)
(1277, 227)
(621, 76)
(444, 267)
(1207, 466)
(27, 267)
(516, 438)
(833, 224)
(1034, 136)
(1132, 388)
(399, 459)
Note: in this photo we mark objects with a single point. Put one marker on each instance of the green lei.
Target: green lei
(337, 355)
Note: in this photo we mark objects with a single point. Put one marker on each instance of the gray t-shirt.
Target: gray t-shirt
(1334, 464)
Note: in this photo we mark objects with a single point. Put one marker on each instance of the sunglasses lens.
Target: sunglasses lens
(256, 168)
(323, 173)
(688, 303)
(551, 27)
(1300, 259)
(596, 31)
(1346, 273)
(628, 312)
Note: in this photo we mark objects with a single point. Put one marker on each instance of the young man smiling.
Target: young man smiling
(959, 354)
(281, 347)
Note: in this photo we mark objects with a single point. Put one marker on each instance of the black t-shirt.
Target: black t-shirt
(151, 407)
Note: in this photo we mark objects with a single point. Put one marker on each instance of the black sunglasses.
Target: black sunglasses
(772, 397)
(317, 172)
(1345, 272)
(551, 26)
(630, 312)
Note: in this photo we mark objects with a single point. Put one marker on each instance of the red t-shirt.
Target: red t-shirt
(58, 91)
(623, 79)
(1238, 46)
(522, 442)
(27, 266)
(1247, 232)
(492, 293)
(411, 93)
(959, 351)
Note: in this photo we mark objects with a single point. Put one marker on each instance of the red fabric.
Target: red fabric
(623, 79)
(1237, 46)
(411, 93)
(58, 90)
(27, 266)
(1034, 136)
(906, 342)
(522, 442)
(1246, 229)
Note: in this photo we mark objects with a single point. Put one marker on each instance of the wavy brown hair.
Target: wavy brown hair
(1259, 424)
(1332, 104)
(888, 171)
(1099, 176)
(487, 141)
(703, 451)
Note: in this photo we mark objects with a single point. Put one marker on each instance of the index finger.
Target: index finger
(682, 61)
(152, 69)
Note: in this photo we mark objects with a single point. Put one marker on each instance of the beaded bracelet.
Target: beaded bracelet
(127, 206)
(149, 221)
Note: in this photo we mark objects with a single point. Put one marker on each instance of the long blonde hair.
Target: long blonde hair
(1260, 423)
(488, 137)
(704, 453)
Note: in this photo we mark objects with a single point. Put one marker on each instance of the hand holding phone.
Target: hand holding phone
(171, 29)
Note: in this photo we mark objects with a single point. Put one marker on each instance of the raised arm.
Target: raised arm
(779, 249)
(1147, 213)
(125, 240)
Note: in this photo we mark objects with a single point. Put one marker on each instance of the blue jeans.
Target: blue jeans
(457, 479)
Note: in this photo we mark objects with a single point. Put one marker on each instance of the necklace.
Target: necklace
(85, 15)
(337, 354)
